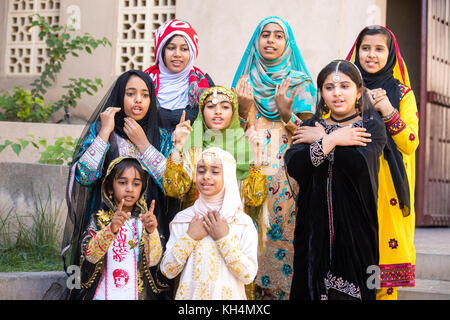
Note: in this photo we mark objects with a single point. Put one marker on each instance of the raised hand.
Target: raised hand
(136, 134)
(307, 134)
(149, 219)
(182, 131)
(215, 225)
(107, 121)
(380, 101)
(255, 141)
(196, 230)
(284, 104)
(244, 93)
(119, 218)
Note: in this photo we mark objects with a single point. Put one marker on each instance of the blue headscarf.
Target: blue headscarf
(266, 74)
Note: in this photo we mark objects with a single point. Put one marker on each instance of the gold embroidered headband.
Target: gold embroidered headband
(215, 91)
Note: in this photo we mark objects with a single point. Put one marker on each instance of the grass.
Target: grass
(32, 246)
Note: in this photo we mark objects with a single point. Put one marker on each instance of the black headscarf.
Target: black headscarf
(384, 79)
(150, 121)
(83, 200)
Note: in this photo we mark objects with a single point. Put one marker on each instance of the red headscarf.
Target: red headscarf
(192, 75)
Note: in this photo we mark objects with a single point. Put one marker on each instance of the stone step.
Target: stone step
(31, 285)
(433, 266)
(432, 253)
(426, 290)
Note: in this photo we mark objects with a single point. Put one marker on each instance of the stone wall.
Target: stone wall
(25, 186)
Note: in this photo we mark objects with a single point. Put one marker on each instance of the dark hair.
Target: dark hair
(373, 30)
(352, 71)
(120, 168)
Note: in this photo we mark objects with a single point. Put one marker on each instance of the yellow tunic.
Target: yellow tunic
(396, 232)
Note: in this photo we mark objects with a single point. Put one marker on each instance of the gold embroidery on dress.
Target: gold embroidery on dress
(104, 218)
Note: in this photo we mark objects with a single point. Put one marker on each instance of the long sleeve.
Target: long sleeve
(98, 244)
(178, 249)
(298, 161)
(152, 246)
(241, 256)
(155, 162)
(404, 127)
(89, 165)
(254, 187)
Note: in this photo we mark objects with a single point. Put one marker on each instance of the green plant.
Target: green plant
(59, 153)
(21, 105)
(28, 105)
(32, 246)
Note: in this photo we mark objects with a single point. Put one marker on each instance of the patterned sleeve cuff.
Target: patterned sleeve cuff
(154, 161)
(93, 156)
(317, 154)
(99, 244)
(153, 247)
(395, 125)
(293, 123)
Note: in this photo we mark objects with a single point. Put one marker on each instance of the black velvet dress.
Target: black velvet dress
(336, 233)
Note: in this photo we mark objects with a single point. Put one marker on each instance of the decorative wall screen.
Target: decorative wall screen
(25, 51)
(138, 20)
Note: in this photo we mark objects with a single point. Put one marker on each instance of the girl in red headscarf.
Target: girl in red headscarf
(384, 71)
(178, 83)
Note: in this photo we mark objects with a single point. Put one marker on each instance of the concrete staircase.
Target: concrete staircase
(432, 266)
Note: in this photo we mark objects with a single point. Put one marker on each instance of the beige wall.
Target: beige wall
(324, 30)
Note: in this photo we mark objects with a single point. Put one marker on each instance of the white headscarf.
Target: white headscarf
(173, 87)
(227, 202)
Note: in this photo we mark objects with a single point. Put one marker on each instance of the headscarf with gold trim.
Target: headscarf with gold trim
(231, 138)
(108, 201)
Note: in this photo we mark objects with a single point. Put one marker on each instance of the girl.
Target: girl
(213, 244)
(178, 83)
(217, 125)
(377, 55)
(124, 124)
(275, 91)
(336, 162)
(121, 242)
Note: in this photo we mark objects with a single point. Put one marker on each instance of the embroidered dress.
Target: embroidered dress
(117, 266)
(276, 220)
(92, 157)
(214, 269)
(396, 225)
(336, 232)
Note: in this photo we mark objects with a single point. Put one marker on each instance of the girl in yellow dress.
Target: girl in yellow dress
(378, 57)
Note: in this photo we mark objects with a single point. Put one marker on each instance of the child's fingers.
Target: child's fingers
(183, 116)
(119, 208)
(152, 207)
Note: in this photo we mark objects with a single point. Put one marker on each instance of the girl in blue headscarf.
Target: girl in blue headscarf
(275, 93)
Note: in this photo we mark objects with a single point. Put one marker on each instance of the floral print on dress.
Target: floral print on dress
(393, 243)
(280, 254)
